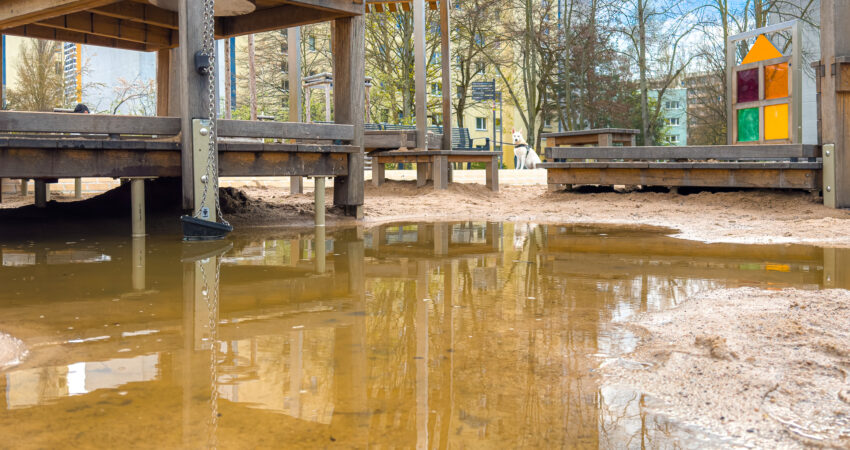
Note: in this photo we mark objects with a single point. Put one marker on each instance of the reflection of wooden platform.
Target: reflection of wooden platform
(439, 161)
(765, 166)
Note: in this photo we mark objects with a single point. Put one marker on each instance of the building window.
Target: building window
(673, 121)
(436, 57)
(672, 105)
(436, 89)
(460, 93)
(481, 123)
(437, 119)
(311, 43)
(480, 68)
(673, 139)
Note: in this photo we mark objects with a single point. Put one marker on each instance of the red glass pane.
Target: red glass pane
(748, 86)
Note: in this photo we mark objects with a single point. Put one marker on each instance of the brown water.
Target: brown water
(407, 335)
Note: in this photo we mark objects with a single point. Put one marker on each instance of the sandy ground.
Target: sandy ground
(735, 217)
(767, 369)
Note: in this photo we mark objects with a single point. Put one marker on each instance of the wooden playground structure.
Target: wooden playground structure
(765, 147)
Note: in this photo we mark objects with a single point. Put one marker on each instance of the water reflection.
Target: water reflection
(415, 334)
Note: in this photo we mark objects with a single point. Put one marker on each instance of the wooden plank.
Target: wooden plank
(21, 12)
(342, 6)
(591, 132)
(49, 163)
(684, 165)
(285, 130)
(726, 152)
(270, 19)
(348, 47)
(808, 179)
(62, 35)
(44, 122)
(110, 27)
(139, 12)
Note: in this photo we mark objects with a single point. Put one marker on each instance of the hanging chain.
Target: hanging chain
(210, 294)
(212, 154)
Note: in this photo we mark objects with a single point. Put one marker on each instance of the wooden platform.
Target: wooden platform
(439, 164)
(384, 140)
(764, 166)
(49, 145)
(599, 136)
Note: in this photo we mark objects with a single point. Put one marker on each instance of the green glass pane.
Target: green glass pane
(748, 125)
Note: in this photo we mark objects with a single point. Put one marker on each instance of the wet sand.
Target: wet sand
(757, 368)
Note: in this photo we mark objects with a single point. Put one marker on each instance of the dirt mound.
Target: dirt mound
(760, 368)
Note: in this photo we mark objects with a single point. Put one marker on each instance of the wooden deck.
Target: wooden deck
(732, 166)
(384, 140)
(599, 136)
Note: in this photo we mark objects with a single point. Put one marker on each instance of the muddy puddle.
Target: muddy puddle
(408, 335)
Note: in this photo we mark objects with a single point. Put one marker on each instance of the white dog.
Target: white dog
(526, 158)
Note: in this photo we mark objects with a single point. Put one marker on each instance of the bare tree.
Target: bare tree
(39, 85)
(138, 96)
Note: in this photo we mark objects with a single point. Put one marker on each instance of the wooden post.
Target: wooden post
(420, 100)
(441, 172)
(606, 140)
(446, 57)
(192, 91)
(835, 98)
(252, 77)
(492, 174)
(293, 56)
(327, 103)
(228, 106)
(349, 47)
(421, 174)
(40, 193)
(163, 81)
(378, 172)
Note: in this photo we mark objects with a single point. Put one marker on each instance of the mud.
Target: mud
(758, 368)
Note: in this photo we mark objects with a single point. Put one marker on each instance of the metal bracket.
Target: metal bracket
(829, 175)
(200, 159)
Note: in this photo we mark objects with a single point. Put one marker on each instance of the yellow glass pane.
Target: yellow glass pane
(761, 51)
(776, 81)
(776, 122)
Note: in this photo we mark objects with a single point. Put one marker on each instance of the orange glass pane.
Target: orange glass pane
(762, 50)
(776, 81)
(776, 122)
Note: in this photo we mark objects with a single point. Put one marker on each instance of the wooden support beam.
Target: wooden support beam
(63, 35)
(420, 104)
(445, 61)
(44, 122)
(163, 81)
(139, 12)
(835, 99)
(286, 130)
(194, 96)
(349, 47)
(110, 27)
(293, 56)
(270, 19)
(722, 152)
(21, 12)
(731, 176)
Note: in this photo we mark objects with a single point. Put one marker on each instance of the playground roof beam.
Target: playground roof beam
(22, 12)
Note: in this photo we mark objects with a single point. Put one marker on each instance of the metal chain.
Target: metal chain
(211, 297)
(212, 155)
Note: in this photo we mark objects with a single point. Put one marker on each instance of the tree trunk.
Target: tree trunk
(644, 88)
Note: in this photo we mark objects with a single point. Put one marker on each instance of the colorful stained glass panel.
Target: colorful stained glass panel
(776, 81)
(776, 122)
(762, 50)
(748, 86)
(748, 125)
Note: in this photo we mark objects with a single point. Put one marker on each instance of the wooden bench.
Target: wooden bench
(602, 137)
(734, 166)
(439, 161)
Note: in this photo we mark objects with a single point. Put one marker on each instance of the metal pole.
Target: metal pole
(137, 200)
(320, 247)
(138, 275)
(319, 194)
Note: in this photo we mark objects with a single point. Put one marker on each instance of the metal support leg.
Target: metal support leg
(137, 200)
(40, 193)
(441, 172)
(78, 188)
(138, 263)
(319, 193)
(296, 185)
